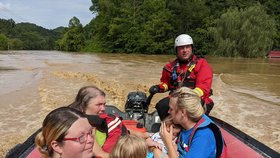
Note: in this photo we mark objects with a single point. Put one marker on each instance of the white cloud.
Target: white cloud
(4, 6)
(46, 13)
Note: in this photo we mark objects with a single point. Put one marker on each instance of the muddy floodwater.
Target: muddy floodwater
(32, 83)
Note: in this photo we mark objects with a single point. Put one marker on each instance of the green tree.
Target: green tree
(31, 36)
(6, 26)
(110, 24)
(155, 36)
(188, 14)
(150, 26)
(132, 26)
(245, 32)
(74, 22)
(33, 41)
(273, 9)
(3, 42)
(15, 44)
(73, 39)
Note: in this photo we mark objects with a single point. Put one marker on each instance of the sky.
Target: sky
(49, 14)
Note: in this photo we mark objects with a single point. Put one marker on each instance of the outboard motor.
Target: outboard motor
(136, 106)
(136, 102)
(136, 111)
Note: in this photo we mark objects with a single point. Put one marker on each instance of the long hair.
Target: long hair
(188, 100)
(84, 96)
(130, 146)
(55, 126)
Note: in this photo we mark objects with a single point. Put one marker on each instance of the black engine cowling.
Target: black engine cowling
(136, 102)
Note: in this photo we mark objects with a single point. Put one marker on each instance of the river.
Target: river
(246, 91)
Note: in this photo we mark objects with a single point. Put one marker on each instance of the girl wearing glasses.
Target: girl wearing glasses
(66, 133)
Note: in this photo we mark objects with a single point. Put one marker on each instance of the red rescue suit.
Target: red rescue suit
(199, 78)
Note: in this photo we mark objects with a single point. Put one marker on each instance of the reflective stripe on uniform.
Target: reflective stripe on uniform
(191, 67)
(113, 124)
(165, 87)
(198, 91)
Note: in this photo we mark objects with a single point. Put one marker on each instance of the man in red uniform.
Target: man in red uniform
(186, 70)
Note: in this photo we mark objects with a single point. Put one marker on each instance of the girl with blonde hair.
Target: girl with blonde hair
(130, 146)
(200, 137)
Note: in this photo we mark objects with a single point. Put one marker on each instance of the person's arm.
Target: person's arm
(151, 144)
(98, 152)
(164, 84)
(165, 78)
(144, 135)
(159, 153)
(167, 139)
(204, 78)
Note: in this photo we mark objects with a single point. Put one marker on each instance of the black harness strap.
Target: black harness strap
(188, 73)
(219, 141)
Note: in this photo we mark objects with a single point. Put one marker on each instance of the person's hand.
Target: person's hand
(152, 143)
(167, 140)
(154, 89)
(175, 146)
(165, 135)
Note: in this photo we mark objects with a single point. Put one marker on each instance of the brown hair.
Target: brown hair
(55, 126)
(84, 96)
(130, 146)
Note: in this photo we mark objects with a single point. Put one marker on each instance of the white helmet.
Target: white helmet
(182, 40)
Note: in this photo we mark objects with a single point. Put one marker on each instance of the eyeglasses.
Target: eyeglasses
(82, 139)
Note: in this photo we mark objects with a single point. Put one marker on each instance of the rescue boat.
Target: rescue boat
(136, 117)
(274, 54)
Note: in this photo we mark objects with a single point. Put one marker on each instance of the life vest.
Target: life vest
(176, 81)
(221, 148)
(196, 74)
(189, 75)
(111, 125)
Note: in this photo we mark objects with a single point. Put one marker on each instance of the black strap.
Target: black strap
(219, 139)
(188, 72)
(191, 67)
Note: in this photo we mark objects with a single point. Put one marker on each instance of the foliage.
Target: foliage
(3, 42)
(247, 28)
(155, 37)
(245, 32)
(150, 26)
(28, 36)
(73, 38)
(16, 44)
(132, 26)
